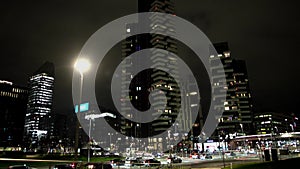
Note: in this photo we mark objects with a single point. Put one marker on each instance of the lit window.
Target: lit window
(227, 54)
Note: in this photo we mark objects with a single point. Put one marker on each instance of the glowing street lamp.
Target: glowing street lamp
(82, 66)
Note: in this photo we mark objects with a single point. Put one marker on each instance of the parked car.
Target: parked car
(152, 163)
(208, 156)
(19, 167)
(130, 162)
(195, 156)
(66, 166)
(98, 166)
(139, 161)
(117, 162)
(174, 160)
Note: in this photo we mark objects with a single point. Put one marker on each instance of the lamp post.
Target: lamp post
(169, 139)
(90, 117)
(243, 134)
(81, 65)
(292, 127)
(185, 137)
(276, 136)
(260, 153)
(286, 125)
(271, 132)
(175, 141)
(110, 134)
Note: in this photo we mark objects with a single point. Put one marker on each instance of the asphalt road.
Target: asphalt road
(188, 162)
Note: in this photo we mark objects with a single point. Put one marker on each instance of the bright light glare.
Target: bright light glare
(82, 65)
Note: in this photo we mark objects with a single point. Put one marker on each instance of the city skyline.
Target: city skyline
(268, 40)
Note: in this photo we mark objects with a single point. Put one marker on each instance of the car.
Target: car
(65, 166)
(133, 161)
(139, 161)
(208, 156)
(152, 162)
(19, 167)
(117, 162)
(97, 166)
(130, 162)
(195, 156)
(174, 160)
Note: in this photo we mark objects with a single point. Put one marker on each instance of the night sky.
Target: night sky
(265, 33)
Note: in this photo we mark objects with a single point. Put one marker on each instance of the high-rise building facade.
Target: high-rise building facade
(153, 79)
(238, 114)
(13, 101)
(38, 121)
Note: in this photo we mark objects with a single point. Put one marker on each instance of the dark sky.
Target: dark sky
(265, 33)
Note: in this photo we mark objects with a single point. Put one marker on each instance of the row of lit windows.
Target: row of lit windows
(37, 97)
(16, 90)
(45, 103)
(9, 94)
(43, 75)
(229, 118)
(42, 108)
(40, 98)
(40, 95)
(35, 87)
(226, 54)
(232, 108)
(44, 91)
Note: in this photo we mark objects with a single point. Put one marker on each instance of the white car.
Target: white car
(195, 156)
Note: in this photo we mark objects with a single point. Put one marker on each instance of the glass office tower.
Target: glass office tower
(38, 122)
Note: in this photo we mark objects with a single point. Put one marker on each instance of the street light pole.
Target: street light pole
(276, 136)
(292, 127)
(110, 134)
(91, 117)
(271, 132)
(286, 125)
(244, 135)
(169, 139)
(81, 65)
(77, 121)
(89, 146)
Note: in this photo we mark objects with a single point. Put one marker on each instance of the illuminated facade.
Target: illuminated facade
(164, 61)
(156, 78)
(38, 121)
(238, 114)
(275, 122)
(13, 101)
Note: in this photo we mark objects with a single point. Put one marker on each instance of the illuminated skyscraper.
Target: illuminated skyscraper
(39, 108)
(13, 100)
(154, 78)
(238, 114)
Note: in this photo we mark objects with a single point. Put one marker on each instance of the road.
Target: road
(216, 162)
